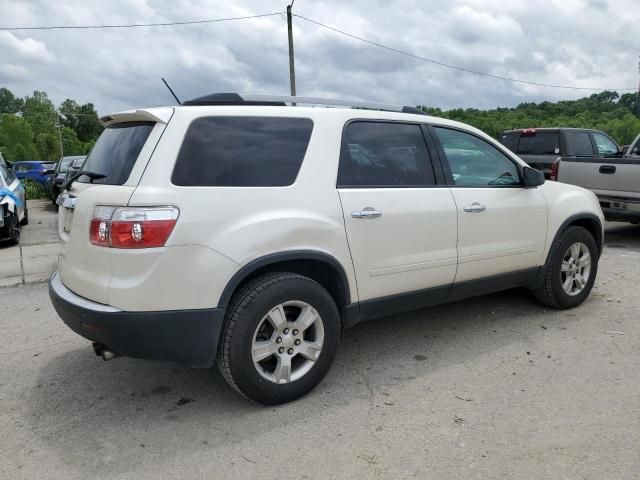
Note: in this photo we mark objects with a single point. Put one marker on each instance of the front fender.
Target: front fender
(567, 205)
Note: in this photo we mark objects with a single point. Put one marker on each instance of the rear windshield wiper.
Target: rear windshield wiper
(92, 175)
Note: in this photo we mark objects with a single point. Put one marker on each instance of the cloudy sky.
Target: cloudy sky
(587, 43)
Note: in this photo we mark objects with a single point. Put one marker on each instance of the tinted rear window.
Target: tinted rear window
(116, 151)
(510, 140)
(579, 144)
(539, 143)
(242, 152)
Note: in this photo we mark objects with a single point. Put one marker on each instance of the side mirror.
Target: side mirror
(59, 181)
(533, 177)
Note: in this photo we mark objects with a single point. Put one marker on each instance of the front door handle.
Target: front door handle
(366, 212)
(475, 207)
(607, 169)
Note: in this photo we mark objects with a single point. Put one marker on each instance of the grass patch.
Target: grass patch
(35, 190)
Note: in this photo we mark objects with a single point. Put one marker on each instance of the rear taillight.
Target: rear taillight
(132, 227)
(555, 166)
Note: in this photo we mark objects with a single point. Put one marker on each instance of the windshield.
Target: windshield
(116, 151)
(64, 164)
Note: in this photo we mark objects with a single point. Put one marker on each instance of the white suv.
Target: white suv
(252, 231)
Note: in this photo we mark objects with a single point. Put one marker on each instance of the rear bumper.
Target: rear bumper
(184, 336)
(620, 209)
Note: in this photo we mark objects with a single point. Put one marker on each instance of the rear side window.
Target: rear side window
(378, 154)
(579, 144)
(539, 143)
(116, 151)
(510, 140)
(242, 152)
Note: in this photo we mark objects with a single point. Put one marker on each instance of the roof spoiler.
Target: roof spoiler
(158, 115)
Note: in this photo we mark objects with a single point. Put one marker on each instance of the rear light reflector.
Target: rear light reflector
(555, 166)
(132, 227)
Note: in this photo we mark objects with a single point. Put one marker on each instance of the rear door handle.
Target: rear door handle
(366, 212)
(608, 169)
(475, 207)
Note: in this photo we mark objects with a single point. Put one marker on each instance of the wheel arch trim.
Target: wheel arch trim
(278, 257)
(572, 219)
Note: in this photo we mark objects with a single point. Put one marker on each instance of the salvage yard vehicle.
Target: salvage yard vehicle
(58, 176)
(36, 171)
(540, 147)
(614, 180)
(249, 231)
(13, 206)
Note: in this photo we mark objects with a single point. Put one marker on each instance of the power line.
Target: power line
(454, 67)
(133, 25)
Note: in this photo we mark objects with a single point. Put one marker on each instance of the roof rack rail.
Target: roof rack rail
(276, 100)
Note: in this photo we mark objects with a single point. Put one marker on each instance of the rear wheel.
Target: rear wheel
(279, 339)
(571, 271)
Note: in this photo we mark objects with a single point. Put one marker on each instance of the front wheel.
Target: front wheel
(280, 337)
(14, 228)
(571, 271)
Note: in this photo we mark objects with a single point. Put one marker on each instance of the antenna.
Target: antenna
(171, 90)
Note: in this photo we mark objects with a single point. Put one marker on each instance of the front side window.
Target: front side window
(379, 154)
(579, 144)
(4, 176)
(475, 162)
(242, 152)
(606, 147)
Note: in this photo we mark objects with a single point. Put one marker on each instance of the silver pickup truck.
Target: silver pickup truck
(616, 181)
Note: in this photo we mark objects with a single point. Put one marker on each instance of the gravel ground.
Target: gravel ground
(493, 387)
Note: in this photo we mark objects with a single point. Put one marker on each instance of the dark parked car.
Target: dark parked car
(55, 188)
(33, 170)
(540, 147)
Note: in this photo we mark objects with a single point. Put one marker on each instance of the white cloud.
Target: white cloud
(572, 42)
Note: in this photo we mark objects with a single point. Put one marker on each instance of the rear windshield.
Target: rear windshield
(116, 151)
(539, 143)
(242, 152)
(510, 140)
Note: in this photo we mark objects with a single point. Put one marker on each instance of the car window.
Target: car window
(606, 147)
(475, 162)
(23, 167)
(242, 152)
(579, 144)
(379, 154)
(539, 143)
(116, 151)
(510, 140)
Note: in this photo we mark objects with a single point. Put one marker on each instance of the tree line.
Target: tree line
(607, 111)
(32, 128)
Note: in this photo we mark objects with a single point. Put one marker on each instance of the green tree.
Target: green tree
(8, 102)
(48, 146)
(20, 153)
(40, 112)
(81, 118)
(16, 131)
(70, 143)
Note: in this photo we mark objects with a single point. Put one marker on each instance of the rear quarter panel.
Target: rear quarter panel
(237, 225)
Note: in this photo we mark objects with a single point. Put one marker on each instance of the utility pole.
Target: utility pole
(638, 92)
(292, 69)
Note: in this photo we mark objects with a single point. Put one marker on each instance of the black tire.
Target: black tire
(247, 309)
(551, 293)
(25, 220)
(14, 229)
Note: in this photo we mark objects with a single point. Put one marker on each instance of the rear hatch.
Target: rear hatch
(121, 154)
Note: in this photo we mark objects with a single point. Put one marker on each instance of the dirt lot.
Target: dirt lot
(494, 387)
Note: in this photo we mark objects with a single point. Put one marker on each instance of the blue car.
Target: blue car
(33, 170)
